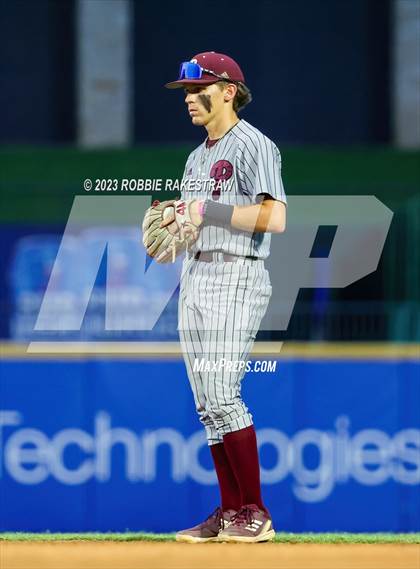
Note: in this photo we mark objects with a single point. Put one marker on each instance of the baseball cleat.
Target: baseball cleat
(207, 530)
(249, 525)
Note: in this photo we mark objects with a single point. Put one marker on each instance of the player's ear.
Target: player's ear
(230, 91)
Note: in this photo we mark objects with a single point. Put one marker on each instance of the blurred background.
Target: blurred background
(110, 440)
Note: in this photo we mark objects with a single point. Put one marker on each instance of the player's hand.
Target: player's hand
(195, 214)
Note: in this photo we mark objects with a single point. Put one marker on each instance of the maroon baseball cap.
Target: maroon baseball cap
(218, 63)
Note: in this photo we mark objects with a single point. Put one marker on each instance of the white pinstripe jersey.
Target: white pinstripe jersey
(248, 163)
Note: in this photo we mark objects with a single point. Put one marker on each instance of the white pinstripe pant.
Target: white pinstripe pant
(221, 305)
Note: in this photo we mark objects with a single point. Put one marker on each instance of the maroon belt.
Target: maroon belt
(207, 257)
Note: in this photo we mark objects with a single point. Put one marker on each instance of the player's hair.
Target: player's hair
(243, 95)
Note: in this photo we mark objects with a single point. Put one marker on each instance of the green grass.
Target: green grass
(158, 537)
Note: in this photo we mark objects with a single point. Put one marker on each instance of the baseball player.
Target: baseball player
(233, 190)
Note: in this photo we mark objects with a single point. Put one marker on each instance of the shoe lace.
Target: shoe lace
(244, 516)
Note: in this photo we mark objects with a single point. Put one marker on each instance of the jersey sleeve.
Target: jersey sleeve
(261, 167)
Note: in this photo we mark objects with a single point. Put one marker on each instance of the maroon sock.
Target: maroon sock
(241, 448)
(229, 488)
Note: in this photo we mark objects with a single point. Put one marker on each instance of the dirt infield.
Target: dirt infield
(143, 555)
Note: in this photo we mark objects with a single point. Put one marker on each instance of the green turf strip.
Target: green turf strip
(280, 537)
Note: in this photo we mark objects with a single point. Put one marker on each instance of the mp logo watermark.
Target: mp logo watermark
(99, 225)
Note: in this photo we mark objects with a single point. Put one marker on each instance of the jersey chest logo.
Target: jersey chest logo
(221, 171)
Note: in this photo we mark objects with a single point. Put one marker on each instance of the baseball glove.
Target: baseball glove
(179, 233)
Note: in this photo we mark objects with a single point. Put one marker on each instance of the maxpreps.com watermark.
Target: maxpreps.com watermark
(223, 364)
(156, 185)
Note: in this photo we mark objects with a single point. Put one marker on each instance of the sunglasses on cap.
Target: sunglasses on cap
(190, 70)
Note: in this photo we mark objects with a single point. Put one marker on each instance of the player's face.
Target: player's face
(204, 102)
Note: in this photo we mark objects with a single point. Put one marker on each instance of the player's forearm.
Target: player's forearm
(267, 217)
